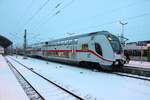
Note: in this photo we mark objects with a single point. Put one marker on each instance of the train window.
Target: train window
(76, 41)
(62, 42)
(65, 42)
(84, 46)
(57, 43)
(46, 43)
(98, 48)
(70, 42)
(115, 43)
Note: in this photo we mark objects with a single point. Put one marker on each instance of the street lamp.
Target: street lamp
(122, 32)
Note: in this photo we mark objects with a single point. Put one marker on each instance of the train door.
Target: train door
(74, 48)
(97, 45)
(84, 46)
(44, 49)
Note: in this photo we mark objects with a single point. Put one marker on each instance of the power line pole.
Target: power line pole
(25, 44)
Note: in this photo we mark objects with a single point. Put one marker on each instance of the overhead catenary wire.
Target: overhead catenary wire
(37, 12)
(59, 11)
(112, 22)
(56, 13)
(44, 4)
(24, 14)
(110, 11)
(16, 39)
(49, 14)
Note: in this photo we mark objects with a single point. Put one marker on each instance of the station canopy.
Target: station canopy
(4, 42)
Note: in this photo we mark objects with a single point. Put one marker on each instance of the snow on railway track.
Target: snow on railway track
(28, 88)
(45, 87)
(132, 76)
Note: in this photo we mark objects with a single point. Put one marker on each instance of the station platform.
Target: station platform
(10, 89)
(139, 64)
(141, 68)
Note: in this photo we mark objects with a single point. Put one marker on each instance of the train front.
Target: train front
(117, 51)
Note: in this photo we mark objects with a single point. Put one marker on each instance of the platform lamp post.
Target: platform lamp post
(122, 32)
(122, 35)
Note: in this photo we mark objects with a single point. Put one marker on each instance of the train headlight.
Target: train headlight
(116, 63)
(109, 38)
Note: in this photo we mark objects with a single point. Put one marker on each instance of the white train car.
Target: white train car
(97, 49)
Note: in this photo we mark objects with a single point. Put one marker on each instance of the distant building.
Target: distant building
(138, 49)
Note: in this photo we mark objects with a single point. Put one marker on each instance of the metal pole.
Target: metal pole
(11, 49)
(25, 44)
(141, 53)
(122, 33)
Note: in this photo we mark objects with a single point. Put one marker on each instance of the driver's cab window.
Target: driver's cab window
(98, 48)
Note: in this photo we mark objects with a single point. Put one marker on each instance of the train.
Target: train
(100, 49)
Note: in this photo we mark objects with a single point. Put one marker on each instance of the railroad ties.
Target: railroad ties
(136, 71)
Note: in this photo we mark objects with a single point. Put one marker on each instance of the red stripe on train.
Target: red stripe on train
(89, 51)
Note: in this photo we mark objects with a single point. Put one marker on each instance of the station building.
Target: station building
(5, 45)
(139, 50)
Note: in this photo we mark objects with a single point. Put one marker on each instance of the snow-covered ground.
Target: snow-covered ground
(10, 89)
(140, 64)
(89, 84)
(45, 88)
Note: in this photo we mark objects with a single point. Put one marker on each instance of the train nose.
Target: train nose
(119, 62)
(116, 62)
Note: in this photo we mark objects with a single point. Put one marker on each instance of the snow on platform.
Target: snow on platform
(10, 89)
(139, 64)
(89, 84)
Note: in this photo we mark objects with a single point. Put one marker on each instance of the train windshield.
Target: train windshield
(115, 43)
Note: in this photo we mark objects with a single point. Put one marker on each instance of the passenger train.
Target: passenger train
(97, 49)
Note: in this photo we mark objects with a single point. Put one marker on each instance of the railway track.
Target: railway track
(131, 76)
(60, 92)
(28, 88)
(137, 71)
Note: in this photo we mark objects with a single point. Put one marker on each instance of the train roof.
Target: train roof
(76, 37)
(82, 35)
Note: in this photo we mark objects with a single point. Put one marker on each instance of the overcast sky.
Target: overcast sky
(53, 21)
